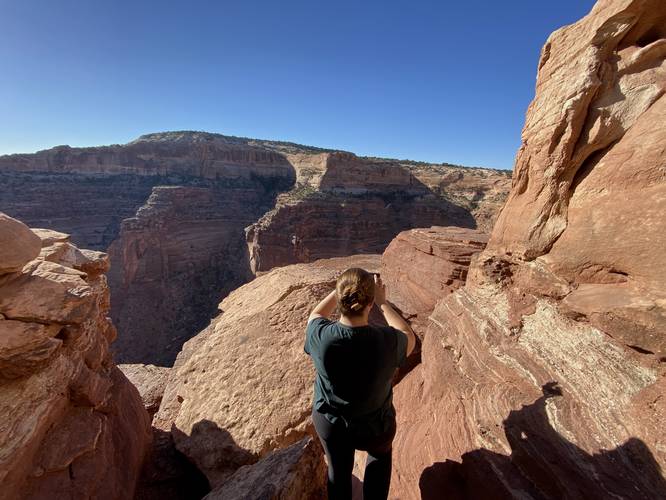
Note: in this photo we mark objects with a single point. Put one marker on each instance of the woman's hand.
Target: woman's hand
(380, 290)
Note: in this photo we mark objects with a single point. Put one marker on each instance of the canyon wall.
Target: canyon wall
(171, 209)
(544, 377)
(72, 424)
(345, 205)
(175, 259)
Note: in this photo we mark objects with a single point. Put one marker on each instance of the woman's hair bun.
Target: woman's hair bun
(355, 289)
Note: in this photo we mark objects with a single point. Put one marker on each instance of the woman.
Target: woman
(355, 363)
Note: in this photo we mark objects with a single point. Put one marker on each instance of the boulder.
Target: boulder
(46, 292)
(18, 245)
(49, 236)
(292, 473)
(150, 380)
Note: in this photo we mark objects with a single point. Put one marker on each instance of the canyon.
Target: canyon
(186, 217)
(540, 367)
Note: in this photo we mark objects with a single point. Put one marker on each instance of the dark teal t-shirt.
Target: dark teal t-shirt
(355, 367)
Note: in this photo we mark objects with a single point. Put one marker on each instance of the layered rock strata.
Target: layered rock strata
(173, 262)
(544, 376)
(242, 388)
(171, 209)
(421, 266)
(72, 424)
(344, 205)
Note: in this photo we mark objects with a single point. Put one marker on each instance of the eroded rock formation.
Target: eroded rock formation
(241, 390)
(420, 266)
(72, 426)
(171, 208)
(150, 381)
(173, 261)
(544, 377)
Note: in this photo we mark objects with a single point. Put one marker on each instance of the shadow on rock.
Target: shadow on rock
(168, 475)
(544, 465)
(213, 450)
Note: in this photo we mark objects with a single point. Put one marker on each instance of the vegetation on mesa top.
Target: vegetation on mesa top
(281, 146)
(287, 147)
(284, 147)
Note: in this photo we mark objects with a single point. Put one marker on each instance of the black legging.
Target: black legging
(339, 446)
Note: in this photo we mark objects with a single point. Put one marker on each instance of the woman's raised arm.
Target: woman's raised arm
(325, 308)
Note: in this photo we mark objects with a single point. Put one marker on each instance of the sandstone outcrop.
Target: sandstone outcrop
(18, 245)
(72, 425)
(345, 205)
(243, 387)
(421, 266)
(544, 376)
(293, 473)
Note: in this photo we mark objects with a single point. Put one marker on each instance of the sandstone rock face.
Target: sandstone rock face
(173, 262)
(293, 473)
(150, 381)
(421, 266)
(18, 245)
(72, 425)
(315, 229)
(544, 376)
(243, 387)
(344, 205)
(171, 209)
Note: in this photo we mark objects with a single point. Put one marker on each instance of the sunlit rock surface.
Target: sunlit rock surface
(71, 424)
(243, 387)
(171, 209)
(544, 376)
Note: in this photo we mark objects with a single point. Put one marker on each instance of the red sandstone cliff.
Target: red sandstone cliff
(72, 426)
(544, 377)
(241, 390)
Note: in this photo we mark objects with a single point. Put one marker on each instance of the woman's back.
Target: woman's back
(355, 365)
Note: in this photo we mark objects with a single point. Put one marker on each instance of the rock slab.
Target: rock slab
(242, 388)
(292, 473)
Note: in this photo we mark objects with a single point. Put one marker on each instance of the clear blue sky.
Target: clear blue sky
(426, 80)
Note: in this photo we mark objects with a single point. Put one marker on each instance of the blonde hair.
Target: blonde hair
(355, 289)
